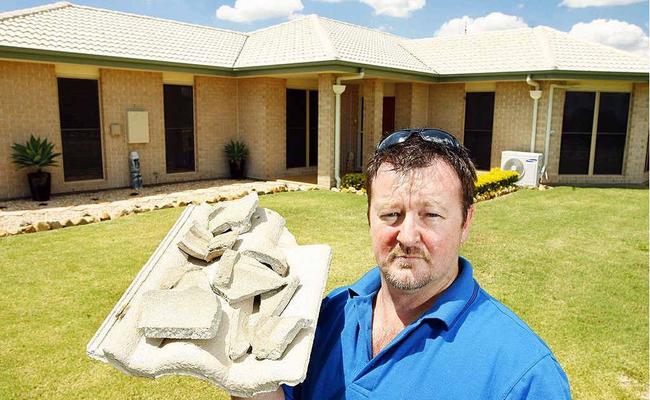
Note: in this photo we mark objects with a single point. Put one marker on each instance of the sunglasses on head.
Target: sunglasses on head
(429, 134)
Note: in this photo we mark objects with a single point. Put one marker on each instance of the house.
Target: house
(100, 84)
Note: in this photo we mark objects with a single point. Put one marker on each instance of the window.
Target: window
(80, 129)
(179, 128)
(479, 116)
(594, 130)
(302, 128)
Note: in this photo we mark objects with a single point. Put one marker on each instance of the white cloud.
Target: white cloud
(395, 8)
(492, 22)
(253, 10)
(597, 3)
(612, 32)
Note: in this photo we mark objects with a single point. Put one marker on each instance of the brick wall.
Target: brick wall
(28, 105)
(403, 94)
(419, 105)
(215, 122)
(349, 126)
(446, 107)
(373, 93)
(513, 116)
(262, 125)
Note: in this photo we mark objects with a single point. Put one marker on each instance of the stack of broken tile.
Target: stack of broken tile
(237, 289)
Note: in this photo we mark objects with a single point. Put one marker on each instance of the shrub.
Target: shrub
(494, 183)
(355, 180)
(36, 152)
(236, 150)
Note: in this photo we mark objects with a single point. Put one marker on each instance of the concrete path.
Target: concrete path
(18, 221)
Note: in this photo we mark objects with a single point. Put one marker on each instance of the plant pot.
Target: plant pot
(237, 169)
(40, 184)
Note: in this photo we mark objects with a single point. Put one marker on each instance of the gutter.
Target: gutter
(338, 90)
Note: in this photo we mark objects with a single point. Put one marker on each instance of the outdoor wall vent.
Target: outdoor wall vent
(138, 126)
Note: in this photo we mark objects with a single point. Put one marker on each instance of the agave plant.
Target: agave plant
(36, 152)
(236, 150)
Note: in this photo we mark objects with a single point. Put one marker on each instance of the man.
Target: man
(419, 326)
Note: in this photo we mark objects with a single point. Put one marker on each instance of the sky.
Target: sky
(618, 23)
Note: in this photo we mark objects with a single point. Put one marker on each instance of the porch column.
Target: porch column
(325, 130)
(373, 105)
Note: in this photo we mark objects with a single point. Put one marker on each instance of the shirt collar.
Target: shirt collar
(447, 308)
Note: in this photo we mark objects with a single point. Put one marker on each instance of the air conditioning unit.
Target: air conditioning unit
(527, 164)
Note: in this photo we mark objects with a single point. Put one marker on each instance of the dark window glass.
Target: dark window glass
(179, 128)
(612, 130)
(647, 160)
(313, 128)
(479, 116)
(577, 125)
(296, 126)
(388, 116)
(80, 129)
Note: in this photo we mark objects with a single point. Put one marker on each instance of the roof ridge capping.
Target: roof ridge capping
(34, 10)
(324, 36)
(367, 28)
(291, 21)
(472, 34)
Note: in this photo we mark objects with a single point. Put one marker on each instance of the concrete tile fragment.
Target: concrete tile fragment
(220, 272)
(220, 243)
(237, 342)
(265, 252)
(274, 302)
(266, 223)
(195, 242)
(192, 313)
(174, 275)
(270, 336)
(235, 216)
(249, 279)
(193, 278)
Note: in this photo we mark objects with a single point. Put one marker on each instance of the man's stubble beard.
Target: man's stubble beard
(399, 281)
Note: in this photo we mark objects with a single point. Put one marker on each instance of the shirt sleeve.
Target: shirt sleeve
(544, 380)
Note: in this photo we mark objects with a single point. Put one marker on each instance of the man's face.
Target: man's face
(416, 225)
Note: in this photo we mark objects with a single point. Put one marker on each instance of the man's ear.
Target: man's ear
(467, 224)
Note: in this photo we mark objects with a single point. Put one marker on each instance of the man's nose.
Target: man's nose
(409, 232)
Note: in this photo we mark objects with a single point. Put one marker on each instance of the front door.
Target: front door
(388, 116)
(479, 115)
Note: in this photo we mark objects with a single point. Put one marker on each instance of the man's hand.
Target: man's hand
(277, 395)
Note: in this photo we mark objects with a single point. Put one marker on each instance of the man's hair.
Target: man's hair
(416, 152)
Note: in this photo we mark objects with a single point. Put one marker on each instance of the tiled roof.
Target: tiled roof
(314, 38)
(67, 28)
(524, 49)
(83, 30)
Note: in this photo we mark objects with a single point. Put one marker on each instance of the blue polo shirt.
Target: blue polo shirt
(466, 346)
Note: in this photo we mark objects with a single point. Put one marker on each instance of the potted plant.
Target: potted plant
(39, 153)
(236, 153)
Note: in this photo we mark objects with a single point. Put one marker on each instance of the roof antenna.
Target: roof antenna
(466, 27)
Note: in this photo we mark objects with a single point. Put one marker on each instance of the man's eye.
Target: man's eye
(433, 215)
(389, 216)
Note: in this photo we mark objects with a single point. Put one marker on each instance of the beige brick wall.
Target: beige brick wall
(28, 105)
(411, 105)
(262, 125)
(215, 121)
(121, 91)
(349, 126)
(637, 142)
(419, 105)
(513, 116)
(446, 107)
(326, 111)
(373, 93)
(403, 94)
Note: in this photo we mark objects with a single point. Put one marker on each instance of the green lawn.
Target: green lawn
(572, 262)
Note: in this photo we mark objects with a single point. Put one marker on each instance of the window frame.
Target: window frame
(594, 133)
